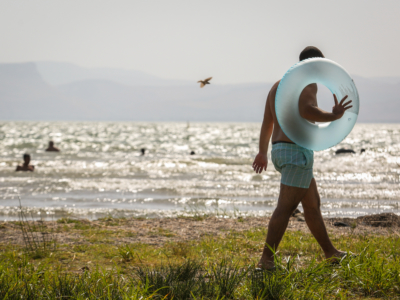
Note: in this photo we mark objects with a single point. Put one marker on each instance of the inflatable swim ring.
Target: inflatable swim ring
(315, 137)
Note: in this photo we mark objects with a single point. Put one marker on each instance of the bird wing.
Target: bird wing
(208, 79)
(202, 84)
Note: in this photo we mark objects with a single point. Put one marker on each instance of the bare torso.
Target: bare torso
(25, 168)
(278, 134)
(52, 149)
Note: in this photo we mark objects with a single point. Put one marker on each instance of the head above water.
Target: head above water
(310, 52)
(51, 143)
(27, 158)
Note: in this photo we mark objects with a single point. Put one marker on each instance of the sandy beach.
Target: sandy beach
(158, 231)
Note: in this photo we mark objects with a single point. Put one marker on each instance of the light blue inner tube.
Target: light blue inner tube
(302, 132)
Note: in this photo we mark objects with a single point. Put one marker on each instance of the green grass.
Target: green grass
(208, 268)
(67, 221)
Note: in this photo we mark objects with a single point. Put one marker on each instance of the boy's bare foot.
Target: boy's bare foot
(336, 257)
(268, 265)
(337, 254)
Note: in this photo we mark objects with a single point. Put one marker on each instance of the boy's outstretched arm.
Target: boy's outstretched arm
(309, 110)
(261, 161)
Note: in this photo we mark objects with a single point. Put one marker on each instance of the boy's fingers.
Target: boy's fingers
(344, 98)
(348, 102)
(335, 99)
(346, 108)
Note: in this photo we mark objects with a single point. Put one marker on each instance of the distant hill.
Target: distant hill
(57, 73)
(380, 99)
(114, 101)
(25, 96)
(58, 91)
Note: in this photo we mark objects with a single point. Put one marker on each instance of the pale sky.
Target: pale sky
(234, 41)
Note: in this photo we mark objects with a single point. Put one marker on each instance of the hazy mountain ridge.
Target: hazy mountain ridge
(121, 102)
(380, 100)
(59, 73)
(26, 93)
(25, 96)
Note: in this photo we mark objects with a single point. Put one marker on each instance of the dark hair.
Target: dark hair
(310, 52)
(26, 155)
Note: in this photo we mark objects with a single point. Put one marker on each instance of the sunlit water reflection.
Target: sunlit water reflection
(100, 170)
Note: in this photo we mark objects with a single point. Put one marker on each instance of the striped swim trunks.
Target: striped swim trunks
(295, 163)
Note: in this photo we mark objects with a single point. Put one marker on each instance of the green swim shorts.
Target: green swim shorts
(295, 163)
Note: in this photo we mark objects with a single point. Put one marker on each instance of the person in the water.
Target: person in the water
(295, 164)
(26, 166)
(51, 147)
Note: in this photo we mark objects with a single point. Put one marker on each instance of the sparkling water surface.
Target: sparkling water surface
(100, 171)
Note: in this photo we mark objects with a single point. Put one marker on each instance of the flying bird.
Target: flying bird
(204, 82)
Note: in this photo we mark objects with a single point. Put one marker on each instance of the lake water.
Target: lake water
(100, 171)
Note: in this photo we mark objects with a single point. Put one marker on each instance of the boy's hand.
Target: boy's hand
(339, 108)
(260, 163)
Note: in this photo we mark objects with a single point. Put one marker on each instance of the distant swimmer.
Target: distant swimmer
(343, 150)
(192, 153)
(51, 147)
(143, 151)
(26, 166)
(204, 82)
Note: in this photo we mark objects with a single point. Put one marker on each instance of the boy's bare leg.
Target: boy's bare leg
(312, 213)
(289, 199)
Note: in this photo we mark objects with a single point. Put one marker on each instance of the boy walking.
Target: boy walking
(295, 163)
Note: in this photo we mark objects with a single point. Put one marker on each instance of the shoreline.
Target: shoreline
(158, 231)
(12, 214)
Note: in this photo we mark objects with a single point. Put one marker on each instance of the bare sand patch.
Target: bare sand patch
(160, 231)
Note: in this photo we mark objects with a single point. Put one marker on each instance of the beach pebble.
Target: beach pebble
(381, 220)
(341, 224)
(297, 213)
